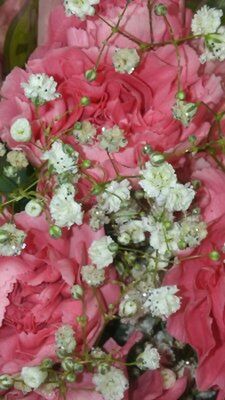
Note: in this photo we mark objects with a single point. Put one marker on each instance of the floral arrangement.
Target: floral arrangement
(112, 279)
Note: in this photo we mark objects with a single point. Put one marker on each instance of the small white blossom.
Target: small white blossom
(149, 359)
(184, 111)
(206, 20)
(2, 149)
(64, 210)
(179, 197)
(158, 262)
(84, 132)
(112, 385)
(80, 8)
(135, 231)
(157, 181)
(60, 159)
(215, 47)
(98, 218)
(65, 339)
(128, 308)
(21, 130)
(92, 276)
(114, 195)
(33, 208)
(11, 240)
(165, 240)
(40, 88)
(193, 230)
(100, 253)
(125, 60)
(33, 377)
(112, 139)
(163, 302)
(17, 159)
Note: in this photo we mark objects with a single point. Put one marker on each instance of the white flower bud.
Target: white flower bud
(77, 292)
(33, 208)
(33, 376)
(149, 359)
(128, 308)
(21, 130)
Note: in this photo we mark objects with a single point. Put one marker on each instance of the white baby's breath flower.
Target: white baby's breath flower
(60, 159)
(179, 197)
(112, 385)
(84, 132)
(64, 210)
(128, 308)
(215, 46)
(98, 218)
(149, 358)
(64, 338)
(125, 60)
(165, 240)
(11, 240)
(21, 130)
(114, 195)
(101, 252)
(33, 377)
(33, 208)
(193, 230)
(184, 111)
(2, 149)
(162, 302)
(80, 8)
(40, 88)
(92, 276)
(206, 20)
(112, 139)
(134, 229)
(17, 159)
(157, 181)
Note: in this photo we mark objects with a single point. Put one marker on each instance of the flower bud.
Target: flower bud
(78, 368)
(192, 139)
(157, 158)
(182, 245)
(77, 292)
(78, 126)
(128, 308)
(68, 149)
(47, 363)
(90, 75)
(124, 238)
(86, 164)
(160, 10)
(113, 247)
(84, 101)
(55, 231)
(214, 255)
(147, 149)
(97, 189)
(180, 95)
(103, 368)
(33, 208)
(6, 382)
(71, 377)
(4, 236)
(68, 364)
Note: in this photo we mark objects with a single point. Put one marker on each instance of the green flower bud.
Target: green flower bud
(90, 75)
(86, 164)
(214, 255)
(168, 225)
(68, 149)
(78, 368)
(77, 292)
(78, 126)
(160, 10)
(139, 194)
(192, 139)
(113, 247)
(147, 149)
(103, 368)
(71, 377)
(84, 101)
(55, 232)
(6, 382)
(97, 189)
(182, 245)
(196, 184)
(47, 363)
(180, 95)
(157, 158)
(68, 364)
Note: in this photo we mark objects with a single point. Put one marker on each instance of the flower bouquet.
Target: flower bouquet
(112, 224)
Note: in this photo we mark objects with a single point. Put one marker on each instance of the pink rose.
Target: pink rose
(36, 298)
(200, 320)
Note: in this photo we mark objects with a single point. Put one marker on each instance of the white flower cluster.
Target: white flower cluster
(207, 22)
(184, 111)
(65, 211)
(92, 276)
(40, 88)
(125, 60)
(17, 159)
(33, 377)
(62, 158)
(11, 240)
(149, 358)
(21, 130)
(65, 340)
(112, 385)
(112, 139)
(160, 183)
(115, 194)
(84, 132)
(102, 251)
(80, 8)
(162, 302)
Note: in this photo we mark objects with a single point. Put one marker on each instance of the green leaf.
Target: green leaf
(21, 38)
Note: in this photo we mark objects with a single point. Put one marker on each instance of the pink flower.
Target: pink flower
(36, 298)
(200, 320)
